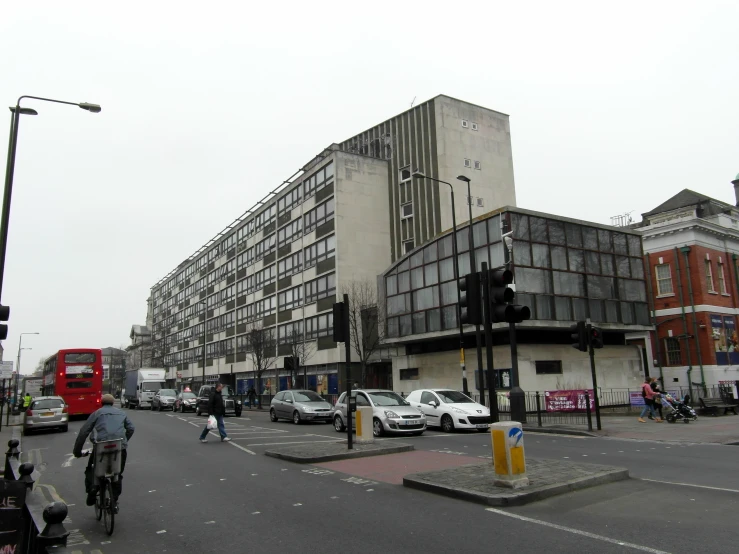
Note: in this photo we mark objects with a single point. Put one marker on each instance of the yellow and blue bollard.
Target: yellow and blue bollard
(509, 460)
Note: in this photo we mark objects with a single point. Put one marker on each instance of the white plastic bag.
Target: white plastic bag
(212, 423)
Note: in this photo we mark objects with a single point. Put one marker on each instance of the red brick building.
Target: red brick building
(691, 246)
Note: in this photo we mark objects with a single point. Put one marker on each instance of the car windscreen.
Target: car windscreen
(151, 386)
(188, 395)
(387, 399)
(454, 397)
(226, 391)
(47, 404)
(168, 392)
(307, 396)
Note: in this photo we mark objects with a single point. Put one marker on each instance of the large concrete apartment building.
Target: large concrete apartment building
(344, 217)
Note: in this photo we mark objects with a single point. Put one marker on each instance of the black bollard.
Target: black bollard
(25, 471)
(54, 532)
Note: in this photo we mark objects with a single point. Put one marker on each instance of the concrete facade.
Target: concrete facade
(691, 245)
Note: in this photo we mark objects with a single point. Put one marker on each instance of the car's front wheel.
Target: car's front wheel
(65, 428)
(272, 415)
(182, 408)
(197, 411)
(338, 424)
(296, 417)
(447, 423)
(377, 428)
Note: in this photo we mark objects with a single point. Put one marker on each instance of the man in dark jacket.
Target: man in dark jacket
(106, 424)
(217, 409)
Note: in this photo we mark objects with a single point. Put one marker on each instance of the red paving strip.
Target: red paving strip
(393, 467)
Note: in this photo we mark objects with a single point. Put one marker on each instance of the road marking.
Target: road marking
(369, 490)
(255, 513)
(68, 463)
(223, 479)
(298, 504)
(162, 531)
(188, 485)
(242, 448)
(577, 531)
(334, 497)
(153, 490)
(209, 522)
(297, 442)
(690, 485)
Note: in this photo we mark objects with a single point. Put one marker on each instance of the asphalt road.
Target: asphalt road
(184, 496)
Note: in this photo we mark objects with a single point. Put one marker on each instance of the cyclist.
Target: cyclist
(106, 424)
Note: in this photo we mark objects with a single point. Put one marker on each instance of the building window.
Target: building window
(319, 326)
(467, 162)
(409, 374)
(290, 265)
(289, 232)
(465, 123)
(318, 216)
(478, 165)
(408, 246)
(722, 279)
(406, 210)
(322, 178)
(709, 277)
(322, 287)
(672, 347)
(548, 367)
(474, 126)
(319, 251)
(291, 298)
(405, 173)
(664, 279)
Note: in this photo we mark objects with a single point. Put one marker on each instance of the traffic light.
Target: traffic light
(596, 337)
(291, 364)
(341, 322)
(470, 301)
(4, 316)
(580, 336)
(501, 296)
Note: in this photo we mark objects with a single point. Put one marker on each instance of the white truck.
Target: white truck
(140, 387)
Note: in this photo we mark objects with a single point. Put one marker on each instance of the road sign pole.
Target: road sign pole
(2, 405)
(596, 403)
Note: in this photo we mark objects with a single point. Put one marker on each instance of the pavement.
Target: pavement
(180, 495)
(331, 451)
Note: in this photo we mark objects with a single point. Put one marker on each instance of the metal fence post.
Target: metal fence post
(538, 409)
(26, 470)
(12, 452)
(587, 411)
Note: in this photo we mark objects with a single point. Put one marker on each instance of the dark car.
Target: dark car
(186, 402)
(230, 402)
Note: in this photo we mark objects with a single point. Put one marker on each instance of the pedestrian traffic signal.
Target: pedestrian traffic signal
(470, 301)
(580, 336)
(596, 337)
(341, 322)
(4, 316)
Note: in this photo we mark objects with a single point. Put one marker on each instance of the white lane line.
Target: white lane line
(209, 522)
(690, 485)
(242, 448)
(68, 462)
(162, 531)
(279, 443)
(577, 532)
(280, 437)
(255, 513)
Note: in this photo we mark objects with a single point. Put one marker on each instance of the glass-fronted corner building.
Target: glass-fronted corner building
(565, 270)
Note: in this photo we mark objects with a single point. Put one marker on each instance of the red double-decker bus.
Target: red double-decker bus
(76, 375)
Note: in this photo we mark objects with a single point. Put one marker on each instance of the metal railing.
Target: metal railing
(40, 528)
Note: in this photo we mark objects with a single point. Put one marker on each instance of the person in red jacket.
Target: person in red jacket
(648, 394)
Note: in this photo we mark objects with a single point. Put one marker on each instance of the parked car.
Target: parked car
(391, 413)
(450, 409)
(300, 405)
(46, 412)
(231, 403)
(186, 402)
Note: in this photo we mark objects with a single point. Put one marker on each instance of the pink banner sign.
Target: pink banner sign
(567, 400)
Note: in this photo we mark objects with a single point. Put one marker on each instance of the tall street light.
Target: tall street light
(473, 264)
(204, 302)
(16, 111)
(18, 365)
(418, 175)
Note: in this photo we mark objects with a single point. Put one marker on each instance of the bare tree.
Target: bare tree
(261, 347)
(366, 321)
(301, 349)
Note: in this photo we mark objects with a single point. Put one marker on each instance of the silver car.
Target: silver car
(391, 413)
(164, 399)
(46, 412)
(300, 405)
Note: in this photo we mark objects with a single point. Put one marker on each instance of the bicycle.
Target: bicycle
(107, 466)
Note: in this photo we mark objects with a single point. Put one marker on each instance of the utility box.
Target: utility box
(364, 425)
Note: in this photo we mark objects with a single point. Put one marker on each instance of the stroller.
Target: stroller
(680, 410)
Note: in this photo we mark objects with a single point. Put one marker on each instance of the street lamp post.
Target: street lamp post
(473, 265)
(204, 302)
(418, 175)
(10, 168)
(18, 367)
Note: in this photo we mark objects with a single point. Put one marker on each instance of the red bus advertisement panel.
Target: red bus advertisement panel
(77, 376)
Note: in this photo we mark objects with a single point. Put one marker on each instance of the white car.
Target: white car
(450, 409)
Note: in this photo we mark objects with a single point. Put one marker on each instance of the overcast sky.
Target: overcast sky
(208, 106)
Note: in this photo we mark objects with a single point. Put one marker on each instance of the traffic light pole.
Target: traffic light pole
(488, 326)
(348, 351)
(592, 373)
(518, 396)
